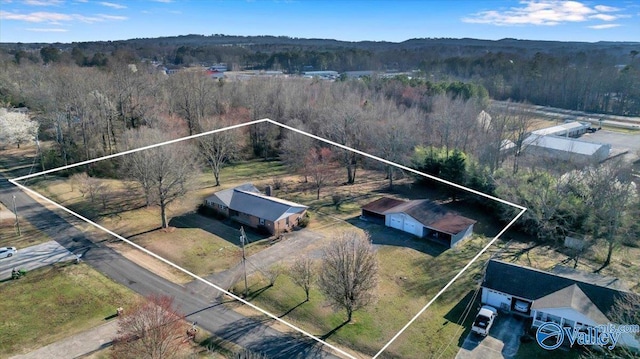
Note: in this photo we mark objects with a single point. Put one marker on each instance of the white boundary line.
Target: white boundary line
(484, 249)
(181, 269)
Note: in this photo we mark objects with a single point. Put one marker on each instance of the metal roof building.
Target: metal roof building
(567, 148)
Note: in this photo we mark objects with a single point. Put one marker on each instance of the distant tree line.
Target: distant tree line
(600, 77)
(447, 129)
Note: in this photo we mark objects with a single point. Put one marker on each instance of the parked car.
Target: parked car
(521, 306)
(7, 251)
(484, 320)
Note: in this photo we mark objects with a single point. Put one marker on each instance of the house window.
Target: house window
(287, 221)
(223, 207)
(262, 221)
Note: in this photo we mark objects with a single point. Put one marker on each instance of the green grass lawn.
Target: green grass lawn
(405, 287)
(55, 302)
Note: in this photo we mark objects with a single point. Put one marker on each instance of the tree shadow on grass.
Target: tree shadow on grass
(143, 232)
(334, 330)
(292, 309)
(226, 229)
(455, 314)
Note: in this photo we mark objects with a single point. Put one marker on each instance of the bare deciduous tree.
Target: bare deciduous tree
(165, 171)
(218, 148)
(152, 329)
(293, 145)
(318, 163)
(302, 274)
(349, 272)
(610, 195)
(272, 273)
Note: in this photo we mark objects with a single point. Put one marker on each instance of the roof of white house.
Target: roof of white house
(560, 129)
(572, 297)
(262, 206)
(432, 215)
(564, 144)
(550, 290)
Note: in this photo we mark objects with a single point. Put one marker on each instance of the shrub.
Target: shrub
(336, 198)
(304, 221)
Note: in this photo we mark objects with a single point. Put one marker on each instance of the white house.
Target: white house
(548, 297)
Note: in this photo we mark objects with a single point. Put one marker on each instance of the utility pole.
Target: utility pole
(244, 265)
(15, 211)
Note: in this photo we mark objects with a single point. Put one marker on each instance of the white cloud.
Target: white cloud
(43, 2)
(603, 17)
(55, 18)
(112, 17)
(112, 5)
(603, 26)
(46, 30)
(605, 8)
(36, 16)
(542, 12)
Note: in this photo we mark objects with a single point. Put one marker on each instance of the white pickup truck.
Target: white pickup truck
(484, 320)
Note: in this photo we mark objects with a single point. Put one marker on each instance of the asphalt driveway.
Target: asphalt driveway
(503, 340)
(33, 257)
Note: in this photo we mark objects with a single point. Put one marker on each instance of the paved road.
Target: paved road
(562, 114)
(33, 257)
(503, 340)
(77, 346)
(213, 317)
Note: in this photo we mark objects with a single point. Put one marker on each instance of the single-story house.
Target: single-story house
(566, 298)
(422, 218)
(247, 205)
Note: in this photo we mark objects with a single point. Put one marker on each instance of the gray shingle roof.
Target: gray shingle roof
(224, 197)
(534, 284)
(572, 297)
(261, 206)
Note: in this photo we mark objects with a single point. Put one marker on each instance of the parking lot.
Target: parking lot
(33, 257)
(503, 340)
(618, 140)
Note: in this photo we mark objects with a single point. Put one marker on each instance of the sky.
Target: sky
(349, 20)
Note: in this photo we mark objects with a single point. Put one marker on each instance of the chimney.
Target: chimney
(268, 191)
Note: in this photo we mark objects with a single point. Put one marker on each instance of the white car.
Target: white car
(483, 322)
(6, 252)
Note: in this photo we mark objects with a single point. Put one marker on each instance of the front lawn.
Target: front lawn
(408, 280)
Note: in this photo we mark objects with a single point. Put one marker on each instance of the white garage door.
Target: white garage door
(413, 228)
(395, 222)
(496, 299)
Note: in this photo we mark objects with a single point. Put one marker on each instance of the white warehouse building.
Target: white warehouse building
(567, 149)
